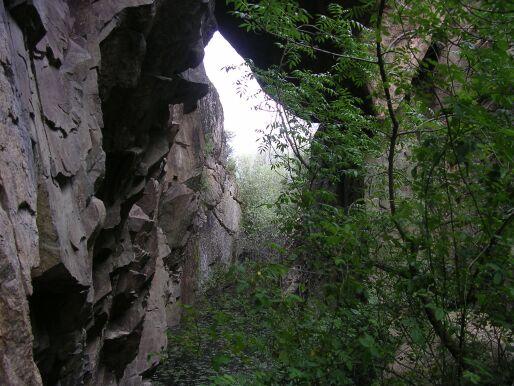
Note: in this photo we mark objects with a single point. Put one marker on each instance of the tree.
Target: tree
(412, 282)
(259, 188)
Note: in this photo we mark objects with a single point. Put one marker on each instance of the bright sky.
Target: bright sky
(241, 118)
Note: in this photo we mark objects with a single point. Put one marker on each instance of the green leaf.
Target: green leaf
(471, 377)
(220, 360)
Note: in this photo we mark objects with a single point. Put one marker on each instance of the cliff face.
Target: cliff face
(115, 200)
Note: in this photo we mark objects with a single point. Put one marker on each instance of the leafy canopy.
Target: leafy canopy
(400, 206)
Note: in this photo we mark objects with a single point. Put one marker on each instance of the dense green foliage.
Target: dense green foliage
(410, 283)
(259, 187)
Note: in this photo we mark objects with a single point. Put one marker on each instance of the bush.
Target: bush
(260, 186)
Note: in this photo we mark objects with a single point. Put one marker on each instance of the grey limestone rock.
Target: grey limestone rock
(115, 201)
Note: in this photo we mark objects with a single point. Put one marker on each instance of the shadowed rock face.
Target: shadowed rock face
(261, 48)
(115, 202)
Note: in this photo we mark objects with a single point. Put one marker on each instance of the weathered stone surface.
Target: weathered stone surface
(112, 184)
(199, 192)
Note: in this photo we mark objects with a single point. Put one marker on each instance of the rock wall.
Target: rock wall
(115, 200)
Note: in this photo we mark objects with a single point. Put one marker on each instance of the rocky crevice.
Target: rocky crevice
(115, 198)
